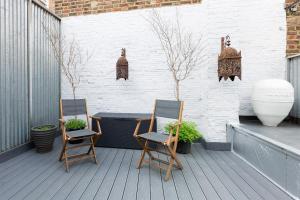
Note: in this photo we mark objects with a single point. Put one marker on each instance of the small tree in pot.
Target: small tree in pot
(183, 52)
(72, 58)
(188, 133)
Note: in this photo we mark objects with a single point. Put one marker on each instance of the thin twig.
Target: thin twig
(182, 53)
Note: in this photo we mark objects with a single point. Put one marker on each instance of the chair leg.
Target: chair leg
(141, 159)
(93, 150)
(167, 177)
(178, 163)
(66, 161)
(62, 151)
(174, 156)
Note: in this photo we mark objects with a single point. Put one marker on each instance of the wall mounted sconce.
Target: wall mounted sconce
(229, 61)
(122, 66)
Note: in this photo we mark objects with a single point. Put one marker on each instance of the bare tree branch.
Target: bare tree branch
(68, 54)
(182, 53)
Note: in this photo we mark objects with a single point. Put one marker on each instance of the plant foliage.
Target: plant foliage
(43, 128)
(188, 131)
(75, 124)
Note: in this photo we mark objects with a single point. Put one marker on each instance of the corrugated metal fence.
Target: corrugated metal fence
(29, 72)
(294, 76)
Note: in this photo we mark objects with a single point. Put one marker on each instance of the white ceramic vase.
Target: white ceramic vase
(272, 100)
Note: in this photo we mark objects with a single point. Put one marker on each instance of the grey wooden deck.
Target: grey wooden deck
(206, 175)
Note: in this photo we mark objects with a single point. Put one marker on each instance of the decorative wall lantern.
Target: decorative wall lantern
(229, 61)
(122, 66)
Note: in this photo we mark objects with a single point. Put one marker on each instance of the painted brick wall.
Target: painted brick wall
(210, 103)
(262, 39)
(66, 8)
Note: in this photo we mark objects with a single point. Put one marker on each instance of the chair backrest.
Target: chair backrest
(71, 107)
(168, 109)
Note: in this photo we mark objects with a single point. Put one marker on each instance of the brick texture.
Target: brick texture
(293, 31)
(65, 8)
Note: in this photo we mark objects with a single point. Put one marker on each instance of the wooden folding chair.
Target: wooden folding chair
(166, 109)
(71, 107)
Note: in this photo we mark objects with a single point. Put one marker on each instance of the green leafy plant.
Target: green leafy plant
(188, 131)
(43, 128)
(75, 124)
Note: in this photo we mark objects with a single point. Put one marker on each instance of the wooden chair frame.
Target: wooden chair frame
(170, 145)
(92, 139)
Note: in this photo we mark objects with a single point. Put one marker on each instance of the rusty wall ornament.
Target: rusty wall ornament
(122, 66)
(229, 61)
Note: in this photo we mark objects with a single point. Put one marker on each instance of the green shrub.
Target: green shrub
(187, 133)
(43, 128)
(75, 124)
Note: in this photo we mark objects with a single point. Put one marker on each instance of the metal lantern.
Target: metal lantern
(122, 66)
(229, 61)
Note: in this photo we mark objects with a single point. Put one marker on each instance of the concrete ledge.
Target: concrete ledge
(275, 160)
(215, 146)
(15, 151)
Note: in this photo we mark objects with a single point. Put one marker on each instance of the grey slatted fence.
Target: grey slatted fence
(294, 76)
(29, 73)
(45, 69)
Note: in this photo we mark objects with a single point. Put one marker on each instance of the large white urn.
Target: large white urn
(272, 100)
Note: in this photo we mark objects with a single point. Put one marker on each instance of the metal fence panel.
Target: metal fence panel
(15, 98)
(294, 76)
(45, 69)
(13, 73)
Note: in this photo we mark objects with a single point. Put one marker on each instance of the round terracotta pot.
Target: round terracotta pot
(43, 140)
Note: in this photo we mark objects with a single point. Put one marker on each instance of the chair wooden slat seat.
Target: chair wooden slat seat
(80, 133)
(165, 109)
(155, 137)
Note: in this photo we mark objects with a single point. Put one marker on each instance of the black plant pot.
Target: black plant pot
(75, 141)
(183, 147)
(43, 140)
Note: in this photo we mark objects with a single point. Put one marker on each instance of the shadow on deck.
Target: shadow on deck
(206, 175)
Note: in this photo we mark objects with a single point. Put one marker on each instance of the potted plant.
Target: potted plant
(43, 137)
(188, 133)
(74, 125)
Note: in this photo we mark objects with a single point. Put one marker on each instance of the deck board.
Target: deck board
(116, 191)
(260, 189)
(222, 191)
(169, 189)
(109, 180)
(156, 183)
(207, 175)
(190, 173)
(96, 181)
(131, 185)
(225, 179)
(276, 191)
(144, 191)
(243, 185)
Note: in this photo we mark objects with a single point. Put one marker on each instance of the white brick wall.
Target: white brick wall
(256, 27)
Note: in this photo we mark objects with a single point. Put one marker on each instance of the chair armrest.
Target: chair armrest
(171, 134)
(137, 128)
(62, 121)
(95, 118)
(98, 119)
(172, 127)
